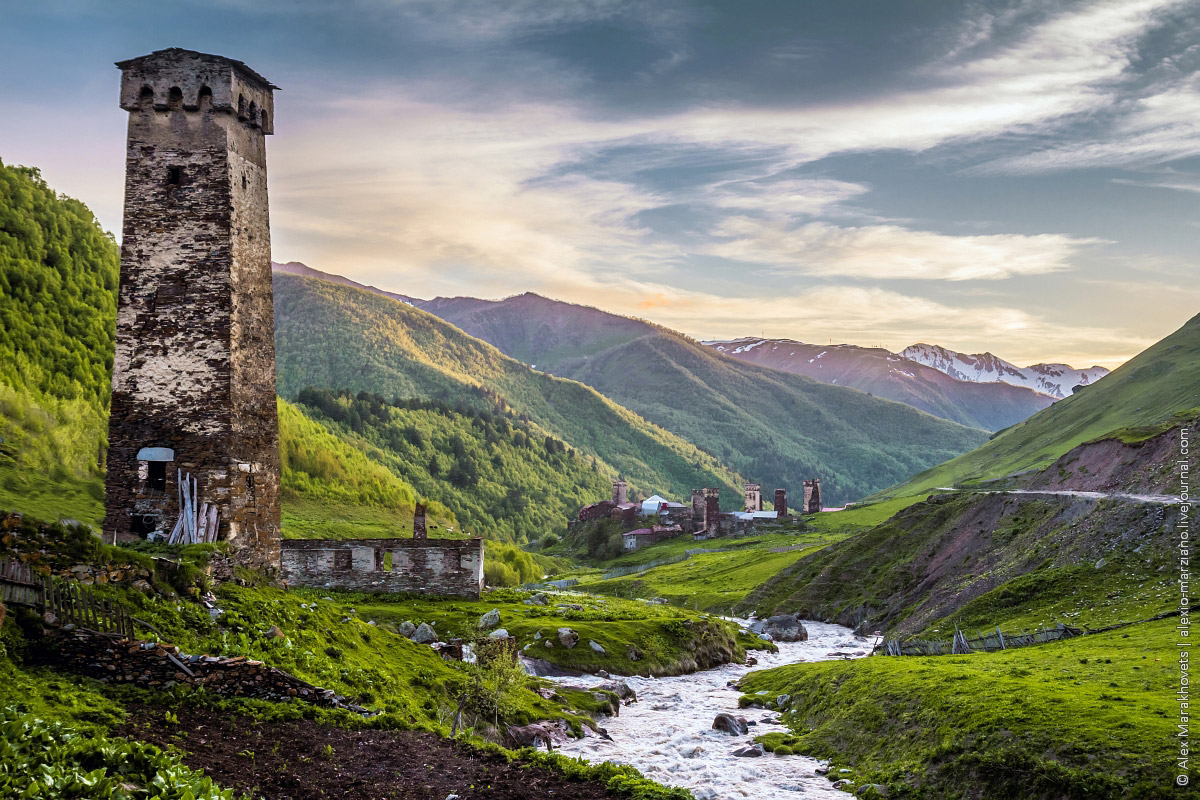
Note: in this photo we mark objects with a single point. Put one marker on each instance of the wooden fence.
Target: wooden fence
(70, 602)
(987, 642)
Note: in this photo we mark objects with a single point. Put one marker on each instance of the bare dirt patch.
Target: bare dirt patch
(293, 760)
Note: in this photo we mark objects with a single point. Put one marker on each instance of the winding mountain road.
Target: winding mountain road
(1153, 499)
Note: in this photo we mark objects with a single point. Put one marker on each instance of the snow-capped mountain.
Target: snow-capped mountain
(885, 374)
(1056, 380)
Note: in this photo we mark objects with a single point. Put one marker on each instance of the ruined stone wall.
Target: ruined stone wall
(194, 368)
(419, 531)
(451, 567)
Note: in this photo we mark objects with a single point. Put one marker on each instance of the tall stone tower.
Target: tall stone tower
(194, 370)
(753, 497)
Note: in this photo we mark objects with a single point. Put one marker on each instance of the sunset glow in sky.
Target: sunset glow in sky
(1020, 177)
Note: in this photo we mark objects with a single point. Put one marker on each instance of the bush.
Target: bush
(497, 573)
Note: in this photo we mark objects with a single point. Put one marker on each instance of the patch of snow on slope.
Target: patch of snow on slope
(1055, 380)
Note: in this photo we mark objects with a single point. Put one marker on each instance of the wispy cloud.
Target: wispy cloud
(891, 252)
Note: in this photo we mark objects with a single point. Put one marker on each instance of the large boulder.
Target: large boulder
(728, 723)
(596, 647)
(490, 620)
(406, 629)
(784, 628)
(424, 634)
(499, 633)
(567, 638)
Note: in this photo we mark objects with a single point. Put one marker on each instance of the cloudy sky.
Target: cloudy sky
(1021, 177)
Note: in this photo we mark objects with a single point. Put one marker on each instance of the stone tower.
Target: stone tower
(781, 502)
(620, 491)
(712, 510)
(812, 496)
(194, 370)
(753, 497)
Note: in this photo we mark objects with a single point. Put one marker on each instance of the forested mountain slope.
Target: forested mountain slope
(58, 279)
(338, 336)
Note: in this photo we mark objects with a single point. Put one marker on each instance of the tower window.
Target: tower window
(156, 477)
(174, 176)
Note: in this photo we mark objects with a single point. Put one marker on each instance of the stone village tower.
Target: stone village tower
(194, 370)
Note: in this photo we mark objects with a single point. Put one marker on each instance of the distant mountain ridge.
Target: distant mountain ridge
(1144, 392)
(305, 271)
(1056, 380)
(991, 406)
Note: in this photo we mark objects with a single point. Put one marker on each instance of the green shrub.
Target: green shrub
(48, 760)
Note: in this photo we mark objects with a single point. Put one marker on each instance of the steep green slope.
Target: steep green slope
(330, 335)
(771, 426)
(499, 477)
(333, 486)
(58, 278)
(1148, 389)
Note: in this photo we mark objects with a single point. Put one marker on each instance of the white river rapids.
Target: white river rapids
(667, 734)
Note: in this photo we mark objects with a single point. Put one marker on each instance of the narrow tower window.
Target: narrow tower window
(174, 176)
(156, 477)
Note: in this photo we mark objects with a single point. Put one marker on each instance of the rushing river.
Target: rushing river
(667, 733)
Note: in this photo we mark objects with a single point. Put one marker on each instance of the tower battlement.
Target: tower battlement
(176, 79)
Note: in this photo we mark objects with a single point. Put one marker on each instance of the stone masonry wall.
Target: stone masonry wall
(452, 567)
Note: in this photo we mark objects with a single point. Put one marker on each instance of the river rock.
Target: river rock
(424, 634)
(567, 637)
(750, 752)
(490, 620)
(406, 629)
(537, 636)
(621, 689)
(499, 633)
(730, 724)
(596, 647)
(785, 628)
(871, 790)
(633, 653)
(274, 633)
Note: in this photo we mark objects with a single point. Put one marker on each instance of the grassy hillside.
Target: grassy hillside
(58, 278)
(1088, 717)
(330, 335)
(771, 426)
(1157, 383)
(500, 478)
(1085, 718)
